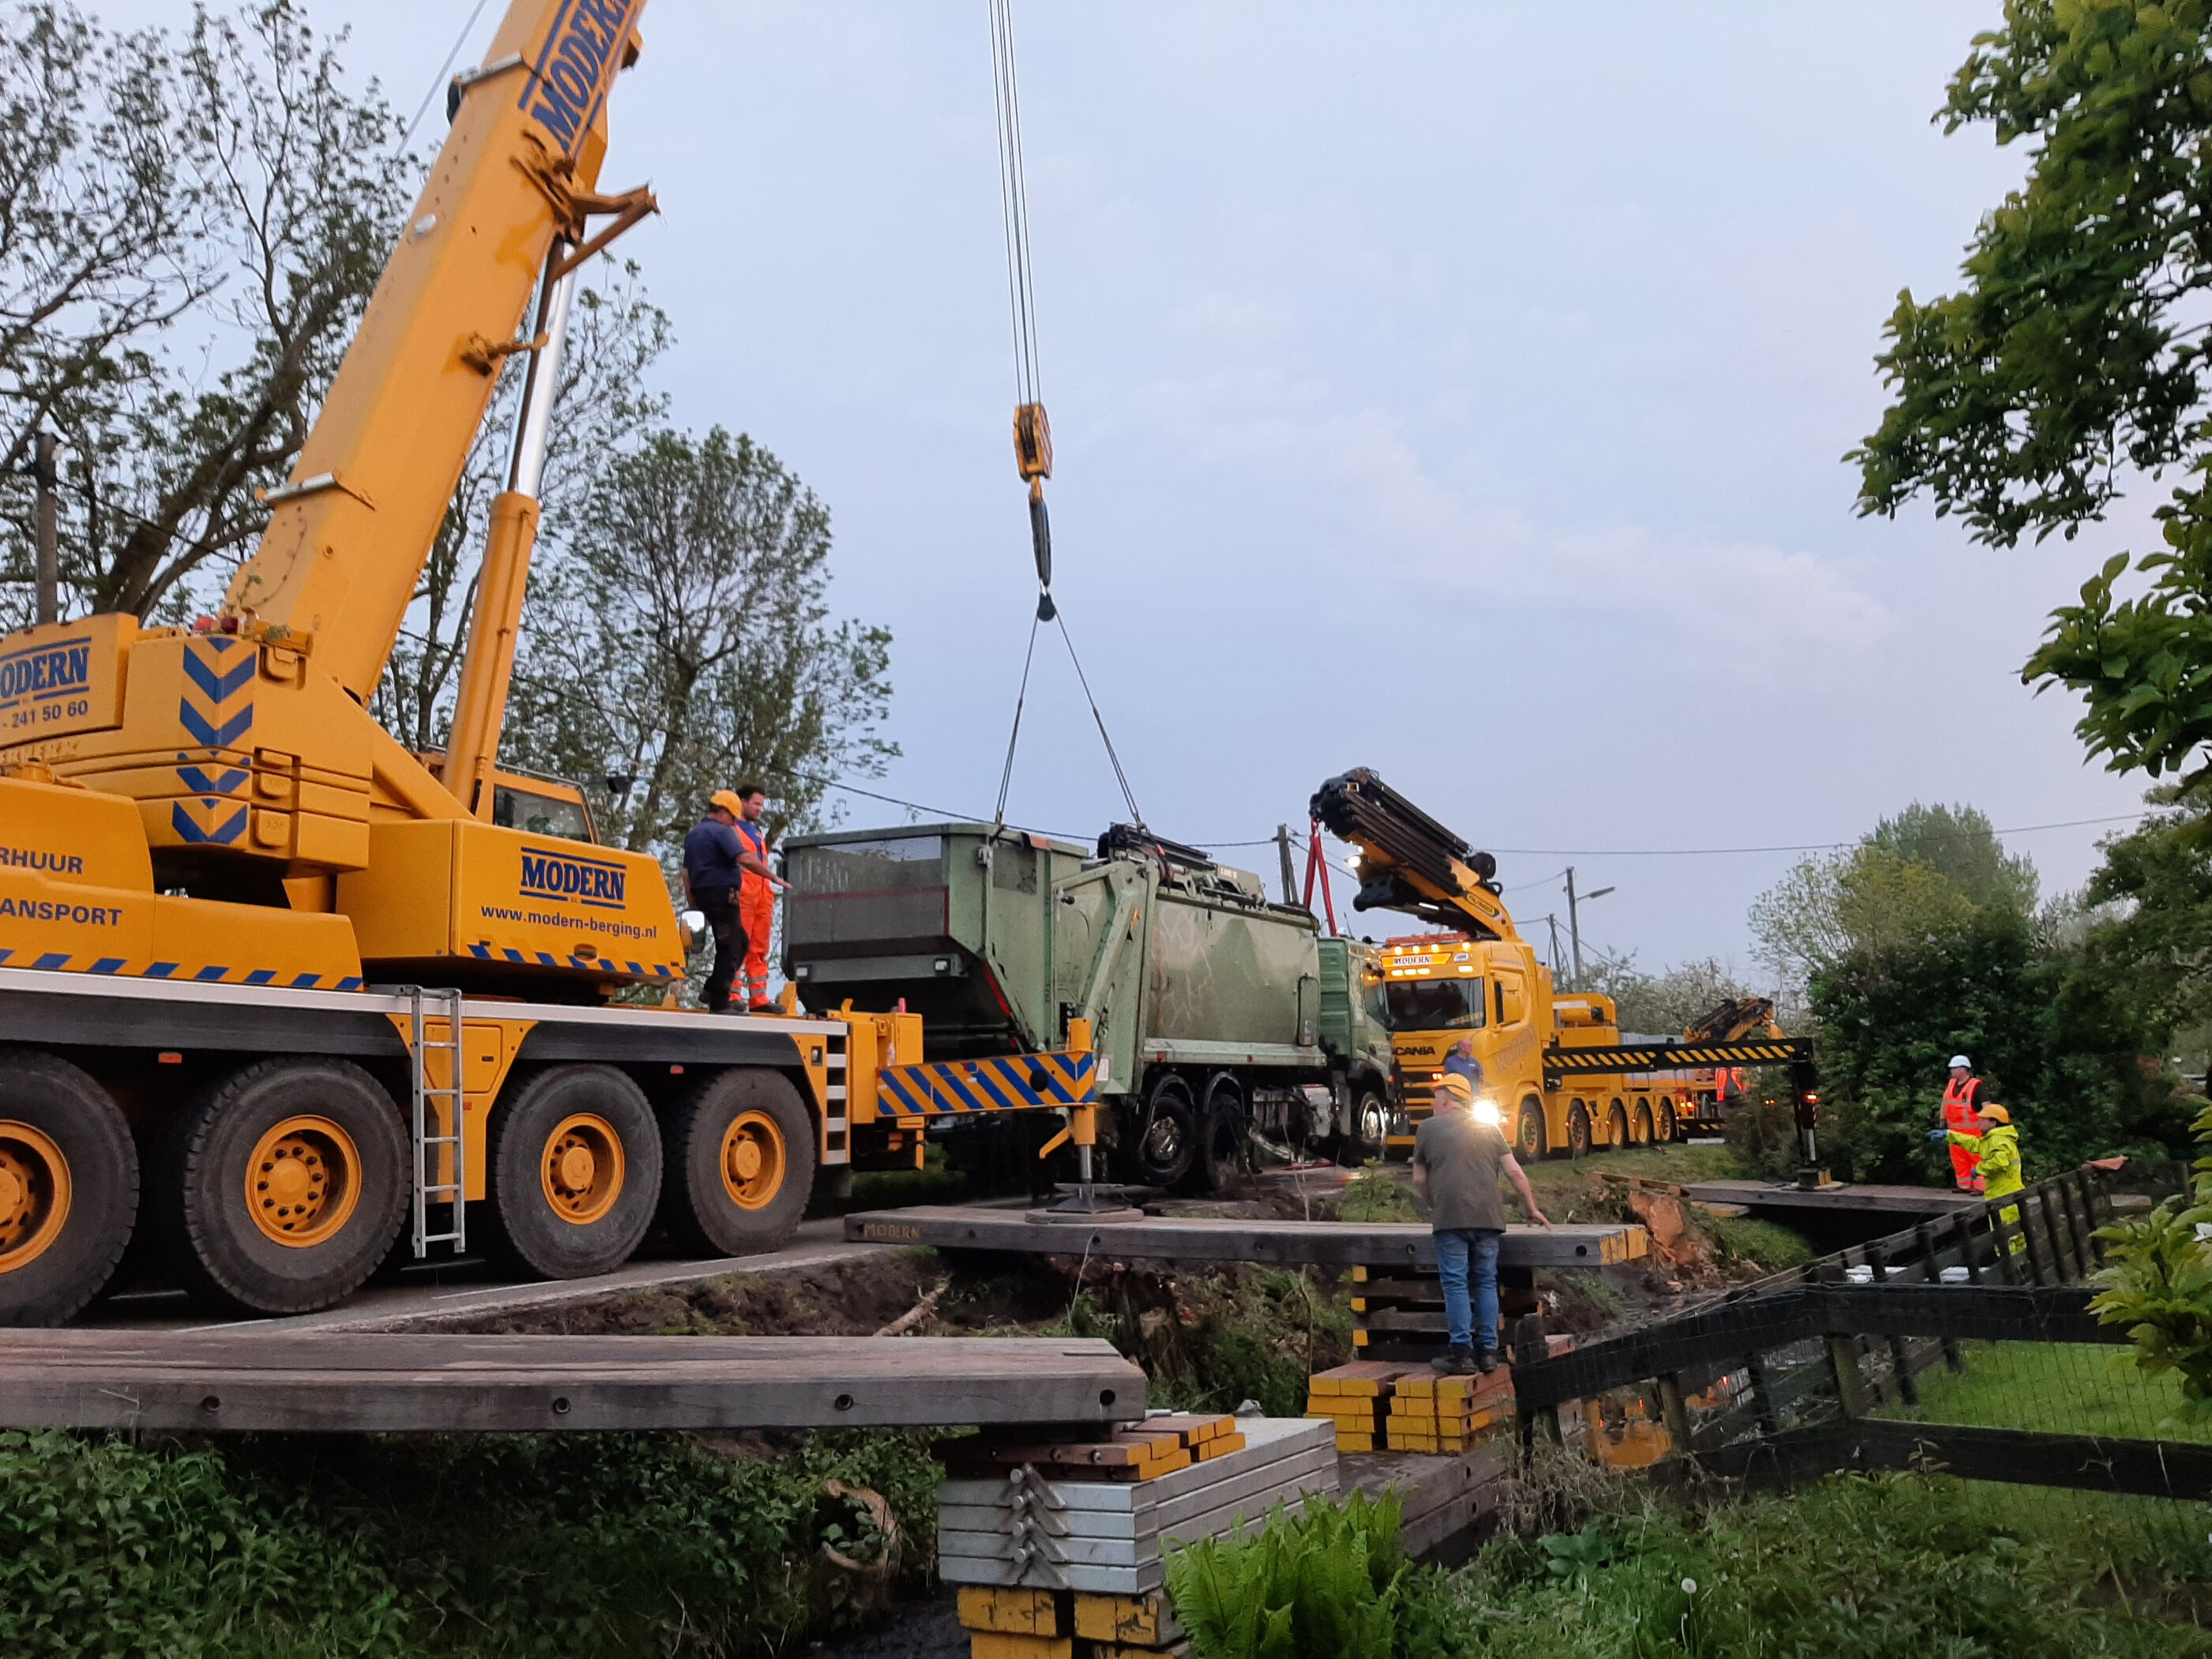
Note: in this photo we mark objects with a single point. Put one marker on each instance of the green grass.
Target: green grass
(1677, 1165)
(1767, 1244)
(2055, 1387)
(1376, 1194)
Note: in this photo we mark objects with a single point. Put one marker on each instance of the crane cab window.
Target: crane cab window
(1512, 1001)
(539, 814)
(1436, 1004)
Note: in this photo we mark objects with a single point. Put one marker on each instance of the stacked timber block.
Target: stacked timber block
(1398, 1312)
(1449, 1414)
(1058, 1548)
(1355, 1399)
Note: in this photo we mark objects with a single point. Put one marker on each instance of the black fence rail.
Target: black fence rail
(1776, 1382)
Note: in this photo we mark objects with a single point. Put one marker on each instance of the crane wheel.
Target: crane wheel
(1530, 1140)
(1578, 1131)
(1641, 1130)
(1665, 1129)
(1616, 1125)
(738, 1160)
(69, 1188)
(574, 1165)
(283, 1188)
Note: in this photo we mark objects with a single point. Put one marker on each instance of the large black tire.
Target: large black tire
(69, 1188)
(1531, 1139)
(1370, 1126)
(574, 1161)
(1578, 1131)
(737, 1164)
(1616, 1125)
(1665, 1128)
(1221, 1147)
(283, 1188)
(1163, 1144)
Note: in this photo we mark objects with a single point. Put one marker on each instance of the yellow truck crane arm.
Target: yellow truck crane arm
(235, 763)
(1410, 862)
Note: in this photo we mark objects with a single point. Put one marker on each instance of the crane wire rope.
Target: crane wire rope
(447, 69)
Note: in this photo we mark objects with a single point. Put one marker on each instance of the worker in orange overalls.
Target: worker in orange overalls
(755, 899)
(1961, 1105)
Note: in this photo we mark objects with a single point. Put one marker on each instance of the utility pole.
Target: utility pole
(1575, 920)
(1553, 922)
(43, 469)
(1290, 874)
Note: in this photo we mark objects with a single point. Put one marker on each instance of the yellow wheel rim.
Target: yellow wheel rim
(582, 1167)
(753, 1160)
(34, 1194)
(303, 1182)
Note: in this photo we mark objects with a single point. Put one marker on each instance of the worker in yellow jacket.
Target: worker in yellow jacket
(1997, 1149)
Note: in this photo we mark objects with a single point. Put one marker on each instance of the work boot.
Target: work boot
(1454, 1361)
(1486, 1362)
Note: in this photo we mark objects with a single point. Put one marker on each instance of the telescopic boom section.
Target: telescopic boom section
(353, 528)
(1410, 862)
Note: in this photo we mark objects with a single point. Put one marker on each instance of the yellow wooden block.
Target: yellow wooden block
(1359, 1338)
(1347, 1441)
(1221, 1448)
(994, 1644)
(1359, 1275)
(1009, 1612)
(1142, 1621)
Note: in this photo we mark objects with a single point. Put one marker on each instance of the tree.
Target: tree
(2073, 358)
(682, 641)
(1665, 1003)
(235, 202)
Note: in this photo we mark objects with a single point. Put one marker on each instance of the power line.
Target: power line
(423, 108)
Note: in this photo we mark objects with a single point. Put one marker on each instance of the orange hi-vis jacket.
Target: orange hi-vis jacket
(1962, 1099)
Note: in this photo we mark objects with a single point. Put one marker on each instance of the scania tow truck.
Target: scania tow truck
(270, 984)
(1554, 1062)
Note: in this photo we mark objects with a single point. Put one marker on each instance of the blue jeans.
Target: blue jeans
(1458, 1249)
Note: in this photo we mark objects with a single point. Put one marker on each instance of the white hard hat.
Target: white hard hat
(1961, 1060)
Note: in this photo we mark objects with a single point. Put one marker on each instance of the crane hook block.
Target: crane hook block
(1041, 537)
(1032, 441)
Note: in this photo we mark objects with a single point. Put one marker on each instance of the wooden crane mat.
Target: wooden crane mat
(238, 1379)
(1186, 1238)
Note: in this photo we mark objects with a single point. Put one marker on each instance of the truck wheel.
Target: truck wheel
(1370, 1122)
(1578, 1131)
(1641, 1130)
(737, 1164)
(574, 1162)
(284, 1187)
(1616, 1125)
(1166, 1140)
(69, 1188)
(1529, 1139)
(1221, 1150)
(1666, 1128)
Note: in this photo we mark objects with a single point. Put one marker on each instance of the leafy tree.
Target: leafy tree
(682, 640)
(203, 222)
(1663, 1003)
(2074, 358)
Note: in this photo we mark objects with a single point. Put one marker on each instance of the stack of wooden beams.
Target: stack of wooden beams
(1355, 1399)
(1449, 1414)
(1081, 1529)
(1398, 1312)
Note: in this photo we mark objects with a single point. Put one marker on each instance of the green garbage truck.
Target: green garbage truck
(1217, 1013)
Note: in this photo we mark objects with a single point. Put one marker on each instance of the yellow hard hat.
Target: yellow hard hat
(728, 800)
(1996, 1111)
(1454, 1082)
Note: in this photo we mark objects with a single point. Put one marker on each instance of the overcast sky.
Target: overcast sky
(1456, 390)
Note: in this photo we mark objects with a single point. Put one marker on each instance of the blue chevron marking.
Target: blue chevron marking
(548, 959)
(211, 973)
(200, 783)
(305, 982)
(52, 959)
(219, 686)
(222, 836)
(513, 955)
(261, 976)
(635, 969)
(107, 965)
(349, 984)
(161, 970)
(210, 735)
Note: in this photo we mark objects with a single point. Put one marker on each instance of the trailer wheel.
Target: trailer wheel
(574, 1162)
(1370, 1123)
(1642, 1129)
(1578, 1131)
(69, 1188)
(1221, 1150)
(1529, 1139)
(1667, 1129)
(284, 1187)
(737, 1164)
(1166, 1140)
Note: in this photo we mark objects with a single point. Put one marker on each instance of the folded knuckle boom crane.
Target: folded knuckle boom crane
(1554, 1062)
(222, 884)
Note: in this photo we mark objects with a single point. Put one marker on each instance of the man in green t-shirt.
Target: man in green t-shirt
(1457, 1158)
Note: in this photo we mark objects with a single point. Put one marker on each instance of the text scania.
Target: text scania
(46, 671)
(551, 875)
(564, 93)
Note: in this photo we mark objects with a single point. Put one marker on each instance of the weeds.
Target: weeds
(1373, 1194)
(1324, 1582)
(1767, 1245)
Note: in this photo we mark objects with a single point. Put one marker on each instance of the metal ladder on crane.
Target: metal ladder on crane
(427, 1095)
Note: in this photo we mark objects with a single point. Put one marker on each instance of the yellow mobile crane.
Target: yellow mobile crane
(1553, 1061)
(223, 885)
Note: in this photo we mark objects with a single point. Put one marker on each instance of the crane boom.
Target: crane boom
(1409, 861)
